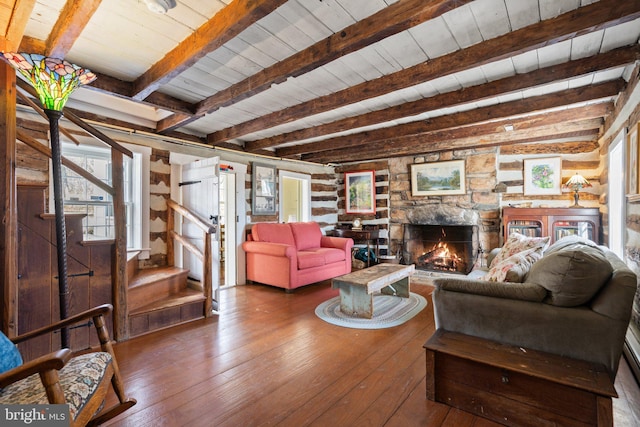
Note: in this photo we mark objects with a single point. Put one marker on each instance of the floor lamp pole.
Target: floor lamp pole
(61, 231)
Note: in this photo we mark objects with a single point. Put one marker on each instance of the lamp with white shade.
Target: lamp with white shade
(576, 183)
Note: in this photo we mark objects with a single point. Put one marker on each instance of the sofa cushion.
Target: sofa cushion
(571, 276)
(515, 268)
(310, 259)
(518, 243)
(332, 254)
(273, 233)
(306, 235)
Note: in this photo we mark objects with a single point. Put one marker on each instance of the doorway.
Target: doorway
(295, 199)
(228, 231)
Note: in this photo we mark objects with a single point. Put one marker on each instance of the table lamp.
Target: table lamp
(575, 184)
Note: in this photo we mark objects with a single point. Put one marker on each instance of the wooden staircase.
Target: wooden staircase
(160, 297)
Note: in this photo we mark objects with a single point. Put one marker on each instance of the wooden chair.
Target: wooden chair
(78, 380)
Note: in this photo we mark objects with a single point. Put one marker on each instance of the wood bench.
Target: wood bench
(357, 288)
(516, 386)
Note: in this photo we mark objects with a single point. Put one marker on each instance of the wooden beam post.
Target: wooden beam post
(8, 197)
(119, 263)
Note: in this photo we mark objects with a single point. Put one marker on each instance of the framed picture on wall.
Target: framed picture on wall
(632, 160)
(360, 192)
(263, 200)
(438, 179)
(542, 176)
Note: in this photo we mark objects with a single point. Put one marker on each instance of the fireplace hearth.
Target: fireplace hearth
(443, 248)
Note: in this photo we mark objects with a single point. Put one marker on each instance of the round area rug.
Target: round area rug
(388, 311)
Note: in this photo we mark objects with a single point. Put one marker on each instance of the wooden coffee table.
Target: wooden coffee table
(357, 288)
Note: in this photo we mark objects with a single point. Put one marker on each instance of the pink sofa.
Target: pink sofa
(295, 254)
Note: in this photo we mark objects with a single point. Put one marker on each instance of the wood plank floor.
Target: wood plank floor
(268, 360)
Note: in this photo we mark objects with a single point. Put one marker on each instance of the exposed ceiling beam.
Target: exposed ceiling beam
(487, 135)
(14, 28)
(397, 18)
(572, 147)
(74, 17)
(225, 25)
(478, 115)
(583, 20)
(604, 61)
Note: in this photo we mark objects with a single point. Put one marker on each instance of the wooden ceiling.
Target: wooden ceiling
(336, 81)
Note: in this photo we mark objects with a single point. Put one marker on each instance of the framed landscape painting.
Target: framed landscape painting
(542, 176)
(360, 192)
(437, 179)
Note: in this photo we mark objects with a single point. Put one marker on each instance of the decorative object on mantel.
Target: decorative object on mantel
(438, 179)
(54, 79)
(360, 192)
(389, 311)
(357, 224)
(575, 184)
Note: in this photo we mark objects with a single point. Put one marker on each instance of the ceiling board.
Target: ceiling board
(263, 101)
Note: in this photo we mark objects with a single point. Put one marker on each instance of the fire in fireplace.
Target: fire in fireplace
(446, 248)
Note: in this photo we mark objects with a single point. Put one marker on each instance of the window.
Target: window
(83, 197)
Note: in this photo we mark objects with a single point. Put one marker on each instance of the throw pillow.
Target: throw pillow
(570, 242)
(9, 355)
(517, 243)
(514, 268)
(572, 276)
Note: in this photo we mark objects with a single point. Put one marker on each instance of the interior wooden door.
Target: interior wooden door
(199, 188)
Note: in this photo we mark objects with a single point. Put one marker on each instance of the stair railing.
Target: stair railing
(116, 190)
(206, 256)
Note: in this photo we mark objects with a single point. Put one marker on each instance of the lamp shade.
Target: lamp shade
(577, 181)
(53, 78)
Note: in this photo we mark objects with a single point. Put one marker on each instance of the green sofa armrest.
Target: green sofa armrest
(508, 290)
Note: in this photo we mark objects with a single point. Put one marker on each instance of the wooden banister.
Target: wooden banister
(192, 216)
(79, 122)
(206, 256)
(33, 143)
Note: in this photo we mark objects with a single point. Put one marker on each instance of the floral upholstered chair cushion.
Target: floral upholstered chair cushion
(519, 243)
(79, 379)
(515, 268)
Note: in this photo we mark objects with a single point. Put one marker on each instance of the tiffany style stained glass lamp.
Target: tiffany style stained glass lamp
(54, 79)
(575, 184)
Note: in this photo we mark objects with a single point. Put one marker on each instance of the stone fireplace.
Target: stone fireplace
(440, 238)
(440, 248)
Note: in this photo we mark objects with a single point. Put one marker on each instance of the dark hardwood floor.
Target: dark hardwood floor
(268, 360)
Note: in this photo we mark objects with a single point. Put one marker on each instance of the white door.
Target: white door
(228, 219)
(199, 188)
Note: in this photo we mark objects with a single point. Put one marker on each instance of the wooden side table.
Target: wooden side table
(367, 236)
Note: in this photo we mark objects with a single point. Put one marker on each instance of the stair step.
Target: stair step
(156, 284)
(184, 297)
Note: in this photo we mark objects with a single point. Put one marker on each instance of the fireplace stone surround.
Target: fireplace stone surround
(444, 215)
(440, 248)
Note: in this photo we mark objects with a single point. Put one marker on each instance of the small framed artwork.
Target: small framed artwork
(438, 179)
(360, 192)
(542, 176)
(632, 160)
(263, 190)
